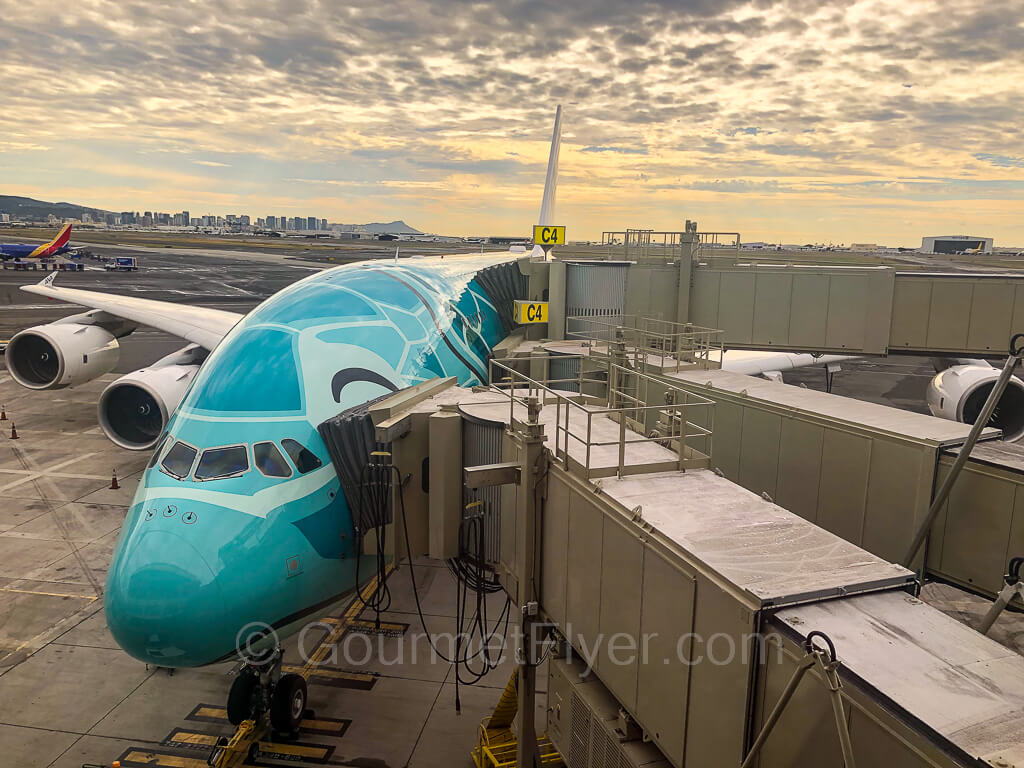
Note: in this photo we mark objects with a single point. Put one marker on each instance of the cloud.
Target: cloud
(1002, 161)
(617, 150)
(439, 112)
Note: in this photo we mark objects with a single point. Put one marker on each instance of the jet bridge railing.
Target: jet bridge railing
(587, 426)
(652, 343)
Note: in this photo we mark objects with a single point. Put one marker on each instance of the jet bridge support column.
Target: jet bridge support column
(689, 242)
(529, 441)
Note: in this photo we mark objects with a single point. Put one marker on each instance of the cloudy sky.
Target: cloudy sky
(793, 120)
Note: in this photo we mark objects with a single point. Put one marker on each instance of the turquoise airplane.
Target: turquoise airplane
(239, 519)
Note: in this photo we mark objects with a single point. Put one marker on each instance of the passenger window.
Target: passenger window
(156, 453)
(222, 462)
(305, 460)
(178, 460)
(269, 460)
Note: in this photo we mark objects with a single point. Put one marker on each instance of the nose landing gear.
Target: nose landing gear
(261, 689)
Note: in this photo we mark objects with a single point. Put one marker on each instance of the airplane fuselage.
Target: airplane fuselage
(272, 540)
(26, 250)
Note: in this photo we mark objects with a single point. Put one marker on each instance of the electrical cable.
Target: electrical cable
(374, 500)
(471, 574)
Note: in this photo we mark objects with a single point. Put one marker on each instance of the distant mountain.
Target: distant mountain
(27, 208)
(391, 228)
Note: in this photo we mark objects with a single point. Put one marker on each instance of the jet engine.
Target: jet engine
(61, 354)
(134, 409)
(958, 393)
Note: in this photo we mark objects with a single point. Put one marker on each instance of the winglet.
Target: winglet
(47, 281)
(547, 206)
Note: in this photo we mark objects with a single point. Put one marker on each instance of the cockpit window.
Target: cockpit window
(156, 453)
(222, 462)
(305, 460)
(269, 460)
(178, 460)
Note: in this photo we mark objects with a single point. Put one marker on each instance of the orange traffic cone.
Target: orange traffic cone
(3, 413)
(14, 431)
(113, 481)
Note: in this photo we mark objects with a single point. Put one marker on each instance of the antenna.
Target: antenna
(396, 254)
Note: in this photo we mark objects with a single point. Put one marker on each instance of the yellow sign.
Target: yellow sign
(531, 312)
(543, 235)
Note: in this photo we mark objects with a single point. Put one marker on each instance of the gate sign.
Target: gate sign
(548, 235)
(527, 312)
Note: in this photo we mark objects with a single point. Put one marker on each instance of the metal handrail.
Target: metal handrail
(673, 424)
(650, 342)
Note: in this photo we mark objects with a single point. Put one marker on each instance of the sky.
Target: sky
(785, 120)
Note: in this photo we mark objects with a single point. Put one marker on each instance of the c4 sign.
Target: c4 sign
(527, 312)
(545, 236)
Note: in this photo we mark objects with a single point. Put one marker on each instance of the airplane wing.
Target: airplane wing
(199, 325)
(753, 363)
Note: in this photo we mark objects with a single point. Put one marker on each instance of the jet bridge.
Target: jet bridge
(864, 471)
(705, 279)
(687, 613)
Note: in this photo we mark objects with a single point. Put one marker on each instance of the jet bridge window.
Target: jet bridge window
(269, 461)
(178, 460)
(222, 462)
(305, 460)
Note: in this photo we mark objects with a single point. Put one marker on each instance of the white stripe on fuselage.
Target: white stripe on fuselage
(258, 504)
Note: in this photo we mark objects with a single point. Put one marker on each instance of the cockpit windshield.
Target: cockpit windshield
(230, 461)
(305, 460)
(233, 460)
(178, 460)
(269, 460)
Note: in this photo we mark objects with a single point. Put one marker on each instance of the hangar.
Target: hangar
(956, 244)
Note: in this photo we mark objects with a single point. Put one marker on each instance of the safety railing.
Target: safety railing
(581, 436)
(648, 343)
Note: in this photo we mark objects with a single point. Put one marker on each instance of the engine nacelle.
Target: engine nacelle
(61, 355)
(959, 393)
(134, 410)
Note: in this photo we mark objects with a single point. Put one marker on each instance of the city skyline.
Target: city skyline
(844, 120)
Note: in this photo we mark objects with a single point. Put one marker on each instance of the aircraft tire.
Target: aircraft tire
(240, 698)
(288, 703)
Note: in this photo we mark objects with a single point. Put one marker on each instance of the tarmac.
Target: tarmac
(69, 695)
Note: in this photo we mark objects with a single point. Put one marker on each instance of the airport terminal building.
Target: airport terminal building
(956, 244)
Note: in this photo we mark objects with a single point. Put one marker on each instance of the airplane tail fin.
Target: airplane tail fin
(547, 206)
(60, 241)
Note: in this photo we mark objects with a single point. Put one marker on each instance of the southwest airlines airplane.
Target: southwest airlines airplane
(59, 245)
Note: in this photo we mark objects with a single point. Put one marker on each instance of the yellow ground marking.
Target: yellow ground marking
(159, 760)
(337, 674)
(47, 594)
(191, 737)
(315, 752)
(320, 726)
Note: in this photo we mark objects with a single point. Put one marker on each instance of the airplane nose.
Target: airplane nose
(163, 603)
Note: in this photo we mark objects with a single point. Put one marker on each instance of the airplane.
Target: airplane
(59, 244)
(239, 519)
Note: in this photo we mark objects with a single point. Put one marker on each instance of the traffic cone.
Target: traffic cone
(14, 431)
(3, 413)
(113, 481)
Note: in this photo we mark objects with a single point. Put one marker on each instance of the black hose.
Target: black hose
(471, 574)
